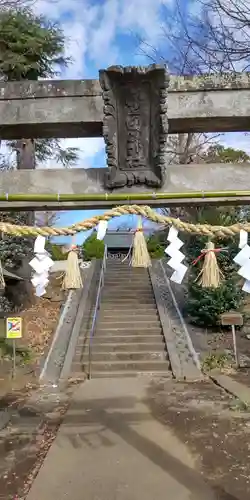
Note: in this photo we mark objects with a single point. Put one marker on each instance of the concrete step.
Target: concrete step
(127, 328)
(135, 274)
(139, 366)
(127, 283)
(127, 322)
(128, 278)
(127, 317)
(132, 315)
(110, 357)
(116, 262)
(126, 347)
(124, 285)
(142, 309)
(123, 265)
(127, 339)
(118, 298)
(166, 374)
(123, 294)
(108, 306)
(135, 278)
(127, 269)
(127, 331)
(130, 303)
(123, 331)
(127, 289)
(132, 275)
(131, 320)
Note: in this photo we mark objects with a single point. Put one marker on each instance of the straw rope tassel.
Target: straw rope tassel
(72, 278)
(140, 255)
(210, 275)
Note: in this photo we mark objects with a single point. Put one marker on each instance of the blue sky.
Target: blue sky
(103, 32)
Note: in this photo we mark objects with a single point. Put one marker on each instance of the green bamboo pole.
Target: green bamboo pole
(121, 196)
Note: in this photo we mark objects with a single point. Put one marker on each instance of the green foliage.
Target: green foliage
(216, 360)
(12, 248)
(31, 46)
(56, 252)
(5, 305)
(239, 405)
(204, 305)
(219, 154)
(46, 149)
(93, 248)
(155, 249)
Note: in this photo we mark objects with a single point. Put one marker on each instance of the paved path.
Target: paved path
(110, 447)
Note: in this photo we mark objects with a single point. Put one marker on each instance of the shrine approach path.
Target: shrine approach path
(111, 447)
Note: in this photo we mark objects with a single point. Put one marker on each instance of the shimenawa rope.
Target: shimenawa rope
(144, 211)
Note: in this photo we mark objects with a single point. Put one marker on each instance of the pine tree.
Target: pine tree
(31, 47)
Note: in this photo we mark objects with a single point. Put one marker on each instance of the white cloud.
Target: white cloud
(91, 29)
(77, 20)
(101, 43)
(142, 16)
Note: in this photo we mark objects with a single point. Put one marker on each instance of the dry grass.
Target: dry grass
(39, 322)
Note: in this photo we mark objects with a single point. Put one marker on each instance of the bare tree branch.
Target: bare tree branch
(17, 4)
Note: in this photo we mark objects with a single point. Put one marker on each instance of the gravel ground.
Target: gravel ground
(216, 429)
(35, 416)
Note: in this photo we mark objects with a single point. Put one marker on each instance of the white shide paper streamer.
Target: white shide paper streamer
(243, 260)
(101, 229)
(173, 250)
(41, 264)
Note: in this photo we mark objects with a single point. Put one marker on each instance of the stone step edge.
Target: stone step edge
(128, 322)
(128, 353)
(140, 307)
(128, 373)
(120, 333)
(160, 347)
(114, 344)
(122, 343)
(157, 329)
(136, 314)
(130, 362)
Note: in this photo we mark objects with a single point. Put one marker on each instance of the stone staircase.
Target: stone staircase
(128, 338)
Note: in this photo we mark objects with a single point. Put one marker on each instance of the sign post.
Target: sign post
(233, 319)
(13, 332)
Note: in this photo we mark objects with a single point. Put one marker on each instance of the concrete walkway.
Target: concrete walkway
(110, 447)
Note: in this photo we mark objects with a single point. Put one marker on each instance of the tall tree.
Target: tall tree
(206, 41)
(225, 29)
(31, 47)
(174, 50)
(212, 38)
(15, 4)
(221, 154)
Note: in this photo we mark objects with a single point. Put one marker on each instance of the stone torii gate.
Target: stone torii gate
(135, 109)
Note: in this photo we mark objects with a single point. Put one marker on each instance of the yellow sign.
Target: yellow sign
(14, 328)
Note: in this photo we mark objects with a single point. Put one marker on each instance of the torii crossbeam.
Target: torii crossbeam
(135, 109)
